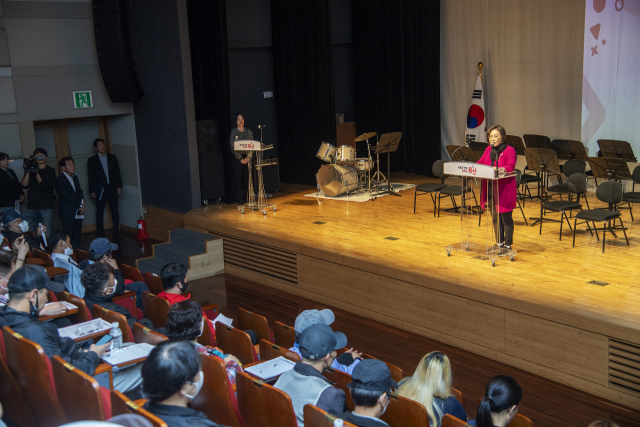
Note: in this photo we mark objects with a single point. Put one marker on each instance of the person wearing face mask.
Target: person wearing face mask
(305, 383)
(15, 226)
(71, 205)
(370, 390)
(175, 282)
(61, 255)
(171, 379)
(10, 187)
(40, 185)
(100, 288)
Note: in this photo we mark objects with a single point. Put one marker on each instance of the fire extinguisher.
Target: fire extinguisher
(142, 230)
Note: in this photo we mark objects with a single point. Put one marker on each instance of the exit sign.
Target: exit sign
(82, 99)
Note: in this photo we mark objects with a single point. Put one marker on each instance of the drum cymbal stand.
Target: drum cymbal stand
(378, 174)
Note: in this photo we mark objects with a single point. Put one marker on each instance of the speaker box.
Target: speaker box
(208, 132)
(211, 175)
(270, 175)
(113, 46)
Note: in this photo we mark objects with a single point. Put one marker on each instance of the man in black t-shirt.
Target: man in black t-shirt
(40, 184)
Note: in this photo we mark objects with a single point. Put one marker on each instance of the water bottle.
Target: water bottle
(338, 422)
(116, 342)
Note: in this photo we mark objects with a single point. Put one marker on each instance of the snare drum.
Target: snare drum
(334, 180)
(346, 155)
(363, 164)
(327, 152)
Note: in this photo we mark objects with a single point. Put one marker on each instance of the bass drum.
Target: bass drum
(334, 180)
(327, 152)
(364, 164)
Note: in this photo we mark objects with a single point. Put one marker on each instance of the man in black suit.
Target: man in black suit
(104, 177)
(71, 200)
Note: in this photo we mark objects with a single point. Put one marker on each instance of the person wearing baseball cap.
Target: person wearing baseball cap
(370, 390)
(347, 361)
(15, 226)
(305, 383)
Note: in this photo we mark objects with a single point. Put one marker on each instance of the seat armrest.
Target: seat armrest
(101, 369)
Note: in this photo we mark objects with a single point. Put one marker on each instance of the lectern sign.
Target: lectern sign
(469, 169)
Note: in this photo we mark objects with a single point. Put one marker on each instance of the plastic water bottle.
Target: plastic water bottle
(116, 333)
(338, 422)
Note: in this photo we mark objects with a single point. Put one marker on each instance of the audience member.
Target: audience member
(21, 249)
(347, 361)
(72, 203)
(101, 251)
(15, 226)
(105, 183)
(500, 404)
(61, 255)
(171, 379)
(430, 385)
(10, 187)
(100, 288)
(370, 390)
(40, 184)
(174, 279)
(604, 423)
(305, 383)
(185, 322)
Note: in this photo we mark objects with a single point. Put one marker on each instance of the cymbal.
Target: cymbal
(366, 136)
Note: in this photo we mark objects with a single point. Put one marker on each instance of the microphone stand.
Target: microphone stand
(466, 144)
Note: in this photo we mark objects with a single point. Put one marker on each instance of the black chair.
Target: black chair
(431, 187)
(569, 168)
(577, 184)
(609, 192)
(633, 196)
(518, 181)
(456, 190)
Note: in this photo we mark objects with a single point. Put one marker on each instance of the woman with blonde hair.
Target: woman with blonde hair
(430, 385)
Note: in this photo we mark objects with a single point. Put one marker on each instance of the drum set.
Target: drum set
(345, 173)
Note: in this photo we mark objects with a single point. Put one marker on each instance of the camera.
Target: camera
(30, 165)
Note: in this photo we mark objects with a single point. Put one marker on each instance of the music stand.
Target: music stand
(463, 154)
(537, 141)
(516, 143)
(611, 169)
(570, 150)
(544, 161)
(479, 147)
(388, 143)
(616, 148)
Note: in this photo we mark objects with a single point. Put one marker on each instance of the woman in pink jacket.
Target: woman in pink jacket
(501, 156)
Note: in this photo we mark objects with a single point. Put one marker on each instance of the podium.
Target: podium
(261, 203)
(480, 241)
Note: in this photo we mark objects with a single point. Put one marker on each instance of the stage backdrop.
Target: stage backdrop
(532, 54)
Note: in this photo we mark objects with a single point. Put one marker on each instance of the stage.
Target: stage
(379, 260)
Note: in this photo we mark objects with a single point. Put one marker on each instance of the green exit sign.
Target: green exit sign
(82, 99)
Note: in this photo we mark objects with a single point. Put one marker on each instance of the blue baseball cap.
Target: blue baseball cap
(318, 340)
(102, 245)
(372, 375)
(11, 216)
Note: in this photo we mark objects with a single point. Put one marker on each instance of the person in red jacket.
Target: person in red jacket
(175, 279)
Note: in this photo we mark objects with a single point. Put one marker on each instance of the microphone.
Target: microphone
(494, 155)
(237, 137)
(262, 126)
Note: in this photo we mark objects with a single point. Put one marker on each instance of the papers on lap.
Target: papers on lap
(67, 304)
(127, 354)
(271, 368)
(84, 328)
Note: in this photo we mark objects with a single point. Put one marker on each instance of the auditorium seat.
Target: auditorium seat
(234, 341)
(208, 335)
(216, 398)
(14, 404)
(316, 417)
(37, 253)
(83, 314)
(80, 255)
(520, 421)
(121, 405)
(131, 273)
(154, 283)
(262, 404)
(111, 316)
(250, 320)
(156, 309)
(80, 396)
(458, 395)
(437, 169)
(142, 334)
(396, 373)
(269, 350)
(128, 301)
(284, 336)
(449, 420)
(340, 380)
(405, 412)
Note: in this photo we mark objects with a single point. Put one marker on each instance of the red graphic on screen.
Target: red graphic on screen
(598, 5)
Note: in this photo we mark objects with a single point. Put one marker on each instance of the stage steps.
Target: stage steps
(201, 253)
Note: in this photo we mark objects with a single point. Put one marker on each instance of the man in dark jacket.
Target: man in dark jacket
(40, 184)
(71, 205)
(100, 288)
(15, 226)
(105, 183)
(10, 187)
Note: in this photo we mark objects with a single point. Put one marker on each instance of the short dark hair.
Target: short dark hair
(41, 151)
(6, 262)
(55, 238)
(183, 321)
(97, 257)
(94, 277)
(95, 142)
(168, 367)
(4, 156)
(63, 161)
(171, 274)
(366, 398)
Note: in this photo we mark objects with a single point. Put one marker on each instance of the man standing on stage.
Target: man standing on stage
(105, 184)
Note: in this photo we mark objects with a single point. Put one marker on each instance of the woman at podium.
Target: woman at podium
(239, 161)
(501, 156)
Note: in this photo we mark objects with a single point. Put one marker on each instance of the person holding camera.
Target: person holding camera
(105, 183)
(40, 180)
(10, 188)
(71, 204)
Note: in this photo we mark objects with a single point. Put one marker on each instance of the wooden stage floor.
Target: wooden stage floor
(538, 313)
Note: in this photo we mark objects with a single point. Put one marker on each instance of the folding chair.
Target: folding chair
(156, 309)
(405, 412)
(216, 398)
(340, 380)
(234, 341)
(131, 273)
(569, 168)
(250, 320)
(83, 314)
(316, 417)
(578, 183)
(263, 405)
(269, 350)
(431, 187)
(284, 336)
(142, 334)
(80, 395)
(121, 405)
(111, 316)
(14, 404)
(37, 253)
(154, 283)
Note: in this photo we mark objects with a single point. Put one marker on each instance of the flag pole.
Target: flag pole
(480, 64)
